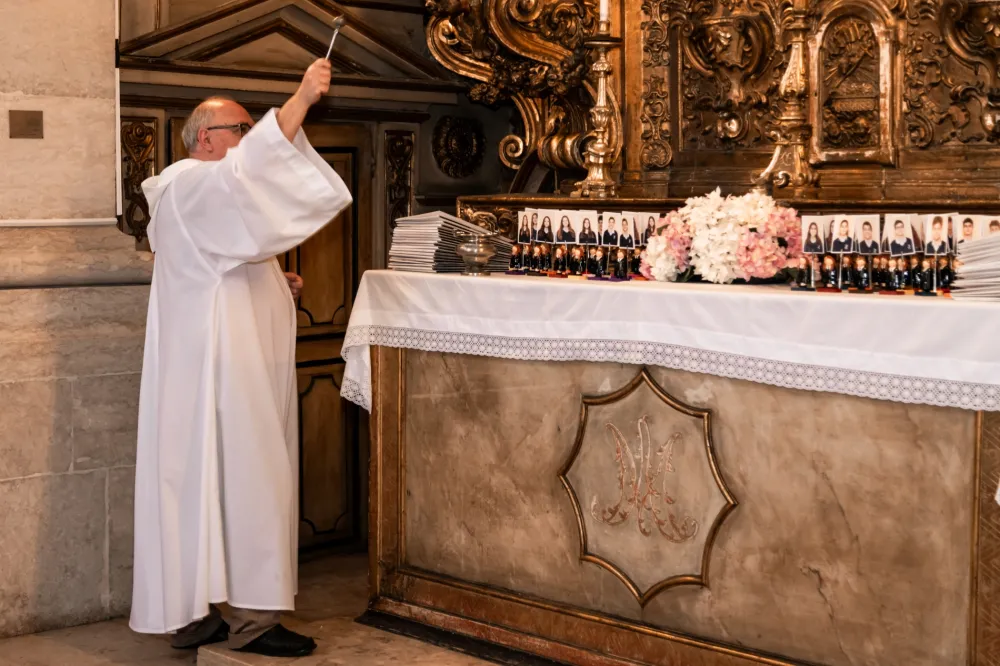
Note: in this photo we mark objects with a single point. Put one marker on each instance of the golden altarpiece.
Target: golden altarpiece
(872, 104)
(810, 528)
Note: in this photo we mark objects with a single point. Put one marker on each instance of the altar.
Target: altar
(648, 473)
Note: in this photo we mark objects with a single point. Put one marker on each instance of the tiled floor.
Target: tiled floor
(332, 593)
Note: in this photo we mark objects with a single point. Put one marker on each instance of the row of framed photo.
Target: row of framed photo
(898, 235)
(586, 227)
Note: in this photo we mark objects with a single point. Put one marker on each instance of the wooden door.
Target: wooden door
(332, 432)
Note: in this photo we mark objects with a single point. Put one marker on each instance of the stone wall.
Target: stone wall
(70, 359)
(60, 62)
(72, 316)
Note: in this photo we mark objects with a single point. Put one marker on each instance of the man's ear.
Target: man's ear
(204, 139)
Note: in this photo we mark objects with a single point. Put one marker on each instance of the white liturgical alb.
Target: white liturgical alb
(216, 501)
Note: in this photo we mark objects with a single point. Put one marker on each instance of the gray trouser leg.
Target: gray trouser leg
(198, 631)
(247, 625)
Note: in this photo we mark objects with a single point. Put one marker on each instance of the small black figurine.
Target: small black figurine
(575, 265)
(546, 262)
(559, 264)
(829, 273)
(846, 272)
(927, 279)
(621, 266)
(536, 258)
(880, 272)
(945, 274)
(600, 264)
(515, 257)
(803, 276)
(894, 277)
(914, 272)
(862, 276)
(636, 260)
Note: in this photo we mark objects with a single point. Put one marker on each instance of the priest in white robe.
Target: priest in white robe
(216, 501)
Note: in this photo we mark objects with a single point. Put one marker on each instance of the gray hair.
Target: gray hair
(200, 118)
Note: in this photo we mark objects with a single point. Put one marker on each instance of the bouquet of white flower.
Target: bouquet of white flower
(724, 239)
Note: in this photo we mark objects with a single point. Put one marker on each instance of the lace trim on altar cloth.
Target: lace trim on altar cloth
(895, 388)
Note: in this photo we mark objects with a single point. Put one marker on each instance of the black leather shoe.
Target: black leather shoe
(221, 634)
(280, 642)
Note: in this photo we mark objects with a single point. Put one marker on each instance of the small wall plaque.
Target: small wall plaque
(26, 125)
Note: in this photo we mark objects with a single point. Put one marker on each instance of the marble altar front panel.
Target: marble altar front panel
(850, 535)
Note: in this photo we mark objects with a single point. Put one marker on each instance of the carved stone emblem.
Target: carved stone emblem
(458, 145)
(646, 487)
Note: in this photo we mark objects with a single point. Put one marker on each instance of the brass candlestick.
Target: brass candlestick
(599, 154)
(790, 165)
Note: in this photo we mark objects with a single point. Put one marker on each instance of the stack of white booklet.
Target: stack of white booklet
(428, 243)
(977, 269)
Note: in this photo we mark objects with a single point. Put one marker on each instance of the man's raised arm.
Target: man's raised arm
(315, 84)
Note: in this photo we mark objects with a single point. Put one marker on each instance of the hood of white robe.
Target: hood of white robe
(155, 187)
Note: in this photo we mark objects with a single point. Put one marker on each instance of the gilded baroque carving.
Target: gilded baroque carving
(951, 66)
(649, 488)
(138, 136)
(730, 72)
(643, 486)
(792, 131)
(529, 51)
(398, 175)
(458, 145)
(850, 71)
(500, 218)
(655, 115)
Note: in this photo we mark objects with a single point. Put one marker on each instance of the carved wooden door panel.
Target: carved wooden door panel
(332, 458)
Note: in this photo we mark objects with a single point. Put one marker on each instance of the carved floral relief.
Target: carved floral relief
(951, 73)
(732, 63)
(657, 152)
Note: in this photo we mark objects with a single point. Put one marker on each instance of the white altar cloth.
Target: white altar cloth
(909, 349)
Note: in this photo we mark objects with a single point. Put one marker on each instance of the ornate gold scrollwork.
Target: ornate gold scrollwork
(500, 218)
(731, 65)
(656, 153)
(951, 63)
(531, 52)
(790, 165)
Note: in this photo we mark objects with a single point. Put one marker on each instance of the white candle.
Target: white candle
(604, 10)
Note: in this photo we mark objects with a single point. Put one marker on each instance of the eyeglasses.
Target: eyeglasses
(242, 128)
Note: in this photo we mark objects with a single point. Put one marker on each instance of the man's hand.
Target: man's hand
(315, 84)
(294, 284)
